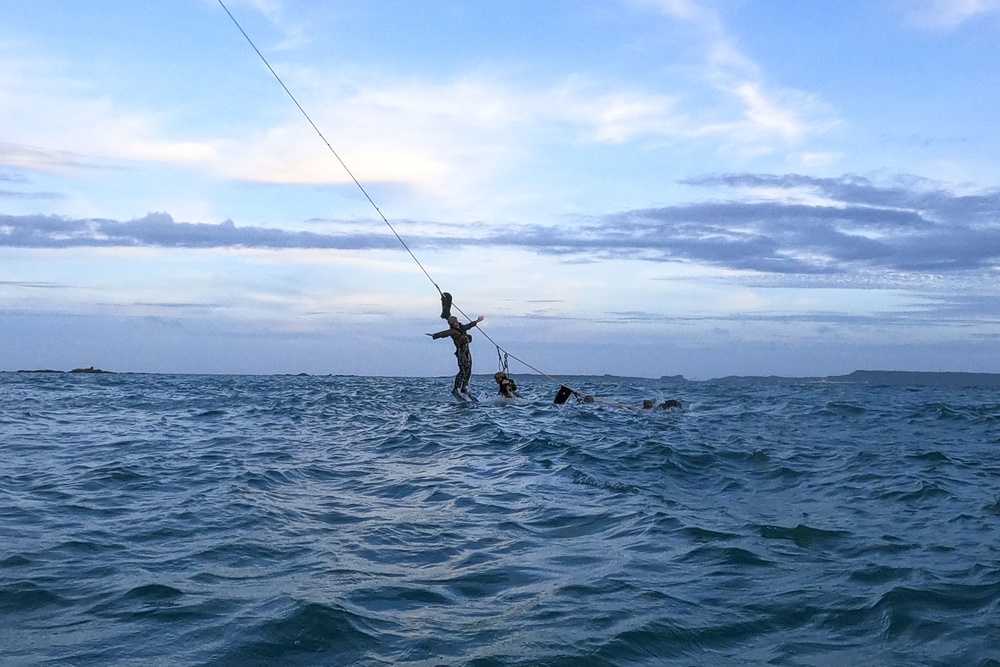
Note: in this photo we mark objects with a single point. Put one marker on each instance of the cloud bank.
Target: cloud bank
(775, 224)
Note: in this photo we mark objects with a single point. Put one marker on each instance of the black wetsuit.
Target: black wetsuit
(508, 388)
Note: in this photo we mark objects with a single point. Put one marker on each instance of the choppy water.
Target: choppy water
(190, 520)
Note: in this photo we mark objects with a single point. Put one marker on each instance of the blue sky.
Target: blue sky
(632, 187)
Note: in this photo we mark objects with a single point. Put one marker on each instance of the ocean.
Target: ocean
(306, 520)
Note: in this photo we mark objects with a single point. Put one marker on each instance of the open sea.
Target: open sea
(294, 520)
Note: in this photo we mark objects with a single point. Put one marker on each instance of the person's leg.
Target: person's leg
(465, 368)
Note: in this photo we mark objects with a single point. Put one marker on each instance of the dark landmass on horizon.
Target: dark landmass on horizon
(893, 378)
(91, 369)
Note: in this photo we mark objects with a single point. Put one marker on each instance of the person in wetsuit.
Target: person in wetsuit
(669, 404)
(457, 332)
(507, 386)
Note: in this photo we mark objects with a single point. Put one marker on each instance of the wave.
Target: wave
(306, 634)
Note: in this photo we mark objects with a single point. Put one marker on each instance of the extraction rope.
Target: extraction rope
(372, 201)
(328, 145)
(501, 360)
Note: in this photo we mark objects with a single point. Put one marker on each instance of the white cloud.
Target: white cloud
(685, 10)
(430, 135)
(946, 14)
(291, 34)
(761, 117)
(818, 160)
(738, 300)
(53, 122)
(449, 140)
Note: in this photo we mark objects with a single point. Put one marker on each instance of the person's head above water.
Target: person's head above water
(499, 376)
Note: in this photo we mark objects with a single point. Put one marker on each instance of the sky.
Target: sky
(626, 187)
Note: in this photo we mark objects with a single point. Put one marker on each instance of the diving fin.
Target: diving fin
(564, 393)
(445, 305)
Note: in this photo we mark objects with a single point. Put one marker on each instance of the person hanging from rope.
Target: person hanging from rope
(506, 386)
(457, 332)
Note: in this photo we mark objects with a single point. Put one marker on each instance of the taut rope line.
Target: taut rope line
(365, 192)
(328, 145)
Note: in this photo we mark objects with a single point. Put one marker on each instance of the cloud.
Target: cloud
(760, 113)
(161, 230)
(291, 34)
(957, 308)
(20, 179)
(36, 94)
(906, 226)
(13, 194)
(46, 160)
(947, 14)
(444, 135)
(35, 285)
(853, 227)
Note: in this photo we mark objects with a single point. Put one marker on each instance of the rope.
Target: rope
(328, 145)
(501, 360)
(367, 196)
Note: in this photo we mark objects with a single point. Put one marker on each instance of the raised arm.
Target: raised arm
(466, 327)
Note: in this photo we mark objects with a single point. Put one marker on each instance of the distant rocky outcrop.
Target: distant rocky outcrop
(889, 378)
(939, 379)
(91, 369)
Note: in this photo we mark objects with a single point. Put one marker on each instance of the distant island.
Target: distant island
(91, 369)
(893, 378)
(887, 378)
